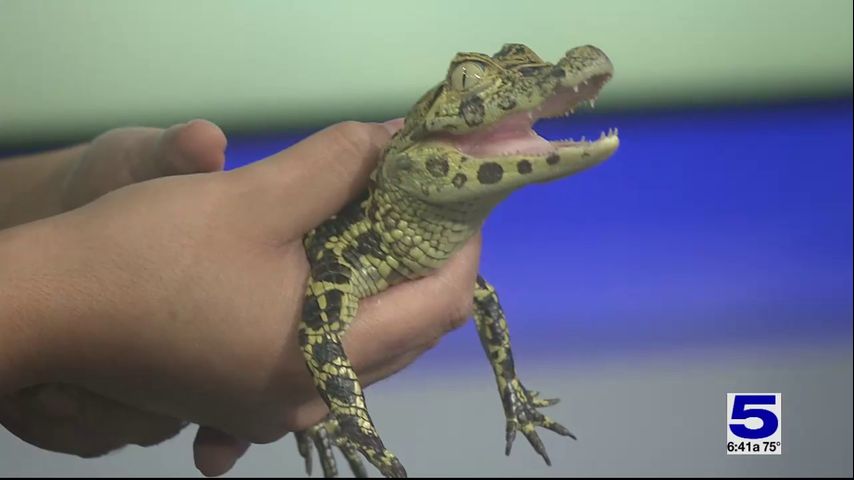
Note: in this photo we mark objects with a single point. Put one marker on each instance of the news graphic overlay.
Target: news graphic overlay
(754, 423)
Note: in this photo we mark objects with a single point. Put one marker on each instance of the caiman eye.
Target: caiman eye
(466, 75)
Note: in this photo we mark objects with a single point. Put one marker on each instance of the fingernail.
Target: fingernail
(393, 125)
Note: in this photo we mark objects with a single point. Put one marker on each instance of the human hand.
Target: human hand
(68, 418)
(193, 287)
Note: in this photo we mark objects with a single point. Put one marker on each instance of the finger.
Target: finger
(309, 182)
(216, 452)
(412, 316)
(395, 124)
(194, 147)
(130, 155)
(389, 366)
(72, 420)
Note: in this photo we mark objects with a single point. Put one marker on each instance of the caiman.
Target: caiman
(465, 145)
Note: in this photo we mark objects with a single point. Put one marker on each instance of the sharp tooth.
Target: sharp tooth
(593, 103)
(615, 131)
(575, 88)
(571, 109)
(583, 138)
(602, 135)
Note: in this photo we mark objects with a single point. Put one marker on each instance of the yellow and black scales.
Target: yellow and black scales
(426, 198)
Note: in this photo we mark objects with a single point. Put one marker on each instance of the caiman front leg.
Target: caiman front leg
(329, 308)
(520, 404)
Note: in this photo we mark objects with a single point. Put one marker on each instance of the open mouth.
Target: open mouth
(514, 134)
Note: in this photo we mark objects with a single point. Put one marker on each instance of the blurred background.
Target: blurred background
(711, 254)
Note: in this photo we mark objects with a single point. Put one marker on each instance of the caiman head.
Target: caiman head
(470, 138)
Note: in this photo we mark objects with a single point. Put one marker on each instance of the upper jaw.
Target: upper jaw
(570, 95)
(583, 72)
(513, 135)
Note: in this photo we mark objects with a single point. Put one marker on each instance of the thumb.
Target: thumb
(216, 452)
(128, 155)
(312, 180)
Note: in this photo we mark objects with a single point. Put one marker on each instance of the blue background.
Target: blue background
(727, 226)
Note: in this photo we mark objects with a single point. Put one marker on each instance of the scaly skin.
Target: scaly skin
(426, 198)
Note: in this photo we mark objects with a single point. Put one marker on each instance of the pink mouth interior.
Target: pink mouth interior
(513, 134)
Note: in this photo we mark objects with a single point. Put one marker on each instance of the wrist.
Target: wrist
(39, 302)
(31, 186)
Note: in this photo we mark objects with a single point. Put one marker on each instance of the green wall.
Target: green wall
(72, 67)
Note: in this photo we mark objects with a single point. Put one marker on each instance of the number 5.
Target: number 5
(740, 412)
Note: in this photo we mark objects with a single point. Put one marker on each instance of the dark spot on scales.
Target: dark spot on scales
(311, 314)
(506, 103)
(490, 173)
(472, 111)
(553, 159)
(331, 271)
(350, 426)
(459, 180)
(524, 167)
(437, 166)
(529, 71)
(367, 243)
(558, 72)
(326, 351)
(342, 389)
(404, 162)
(333, 303)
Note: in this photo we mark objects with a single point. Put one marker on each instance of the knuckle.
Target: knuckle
(349, 136)
(354, 138)
(267, 433)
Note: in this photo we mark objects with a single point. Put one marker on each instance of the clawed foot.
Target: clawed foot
(522, 415)
(323, 436)
(330, 432)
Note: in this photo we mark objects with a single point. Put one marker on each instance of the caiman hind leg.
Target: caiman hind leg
(520, 404)
(329, 308)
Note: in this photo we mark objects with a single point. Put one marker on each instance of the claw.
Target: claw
(511, 435)
(522, 415)
(322, 437)
(304, 448)
(324, 452)
(394, 470)
(352, 456)
(557, 428)
(541, 402)
(535, 441)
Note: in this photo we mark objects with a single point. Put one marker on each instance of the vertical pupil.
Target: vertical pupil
(464, 77)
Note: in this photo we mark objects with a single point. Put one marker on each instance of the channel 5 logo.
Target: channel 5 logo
(754, 423)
